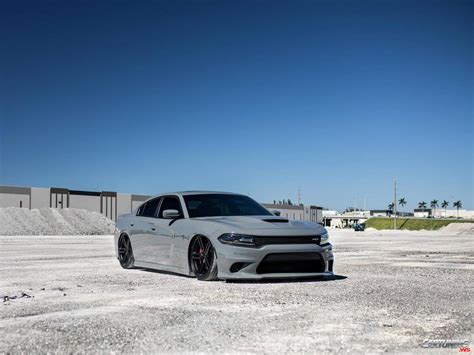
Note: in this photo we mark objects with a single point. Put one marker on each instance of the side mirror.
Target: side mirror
(171, 214)
(275, 212)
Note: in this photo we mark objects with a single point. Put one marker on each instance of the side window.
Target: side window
(140, 210)
(170, 203)
(150, 208)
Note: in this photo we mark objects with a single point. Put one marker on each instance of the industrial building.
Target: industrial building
(453, 213)
(297, 212)
(381, 213)
(109, 203)
(422, 212)
(113, 204)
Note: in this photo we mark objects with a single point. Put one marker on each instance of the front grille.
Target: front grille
(306, 239)
(291, 263)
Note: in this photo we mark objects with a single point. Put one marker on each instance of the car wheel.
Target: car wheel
(203, 259)
(125, 252)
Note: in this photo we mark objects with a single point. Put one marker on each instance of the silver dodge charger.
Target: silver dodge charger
(219, 235)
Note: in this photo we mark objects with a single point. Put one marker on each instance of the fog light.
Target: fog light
(237, 267)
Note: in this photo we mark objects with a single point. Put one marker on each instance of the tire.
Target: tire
(125, 252)
(203, 259)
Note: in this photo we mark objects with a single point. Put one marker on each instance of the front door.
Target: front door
(162, 238)
(159, 241)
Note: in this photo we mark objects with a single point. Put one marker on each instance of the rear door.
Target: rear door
(142, 226)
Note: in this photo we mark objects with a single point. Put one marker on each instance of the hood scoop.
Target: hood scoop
(275, 220)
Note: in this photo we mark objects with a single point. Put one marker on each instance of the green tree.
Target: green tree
(422, 204)
(434, 205)
(402, 202)
(445, 205)
(290, 203)
(391, 206)
(458, 205)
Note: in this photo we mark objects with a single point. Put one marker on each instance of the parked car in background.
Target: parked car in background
(358, 227)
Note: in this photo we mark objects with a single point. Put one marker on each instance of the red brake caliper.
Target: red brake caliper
(200, 252)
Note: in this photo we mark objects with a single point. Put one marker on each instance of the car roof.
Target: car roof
(197, 192)
(194, 192)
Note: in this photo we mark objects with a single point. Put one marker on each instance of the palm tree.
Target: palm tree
(433, 205)
(391, 206)
(458, 205)
(445, 205)
(402, 202)
(422, 204)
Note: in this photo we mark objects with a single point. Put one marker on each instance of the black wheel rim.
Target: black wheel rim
(202, 255)
(124, 249)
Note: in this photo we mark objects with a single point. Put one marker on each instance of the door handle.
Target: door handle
(153, 228)
(131, 224)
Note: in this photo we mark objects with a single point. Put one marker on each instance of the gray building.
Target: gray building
(109, 203)
(381, 213)
(297, 212)
(113, 204)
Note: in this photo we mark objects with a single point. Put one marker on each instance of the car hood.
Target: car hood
(264, 225)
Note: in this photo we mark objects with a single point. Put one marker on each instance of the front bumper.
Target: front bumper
(288, 261)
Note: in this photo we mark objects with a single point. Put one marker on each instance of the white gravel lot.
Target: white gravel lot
(394, 290)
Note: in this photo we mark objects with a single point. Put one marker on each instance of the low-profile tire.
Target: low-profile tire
(125, 252)
(203, 259)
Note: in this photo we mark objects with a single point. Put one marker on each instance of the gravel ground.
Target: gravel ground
(393, 291)
(53, 221)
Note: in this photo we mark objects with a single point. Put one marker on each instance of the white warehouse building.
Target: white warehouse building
(110, 204)
(113, 204)
(299, 212)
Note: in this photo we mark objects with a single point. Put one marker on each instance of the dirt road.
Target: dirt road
(394, 290)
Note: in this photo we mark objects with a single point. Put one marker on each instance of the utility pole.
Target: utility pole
(395, 203)
(299, 196)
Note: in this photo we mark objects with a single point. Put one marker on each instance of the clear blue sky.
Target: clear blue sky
(337, 97)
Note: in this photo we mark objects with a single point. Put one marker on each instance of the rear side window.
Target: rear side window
(170, 203)
(149, 209)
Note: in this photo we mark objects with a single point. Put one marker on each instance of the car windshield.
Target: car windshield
(215, 205)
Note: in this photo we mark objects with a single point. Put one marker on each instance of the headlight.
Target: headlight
(237, 239)
(324, 238)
